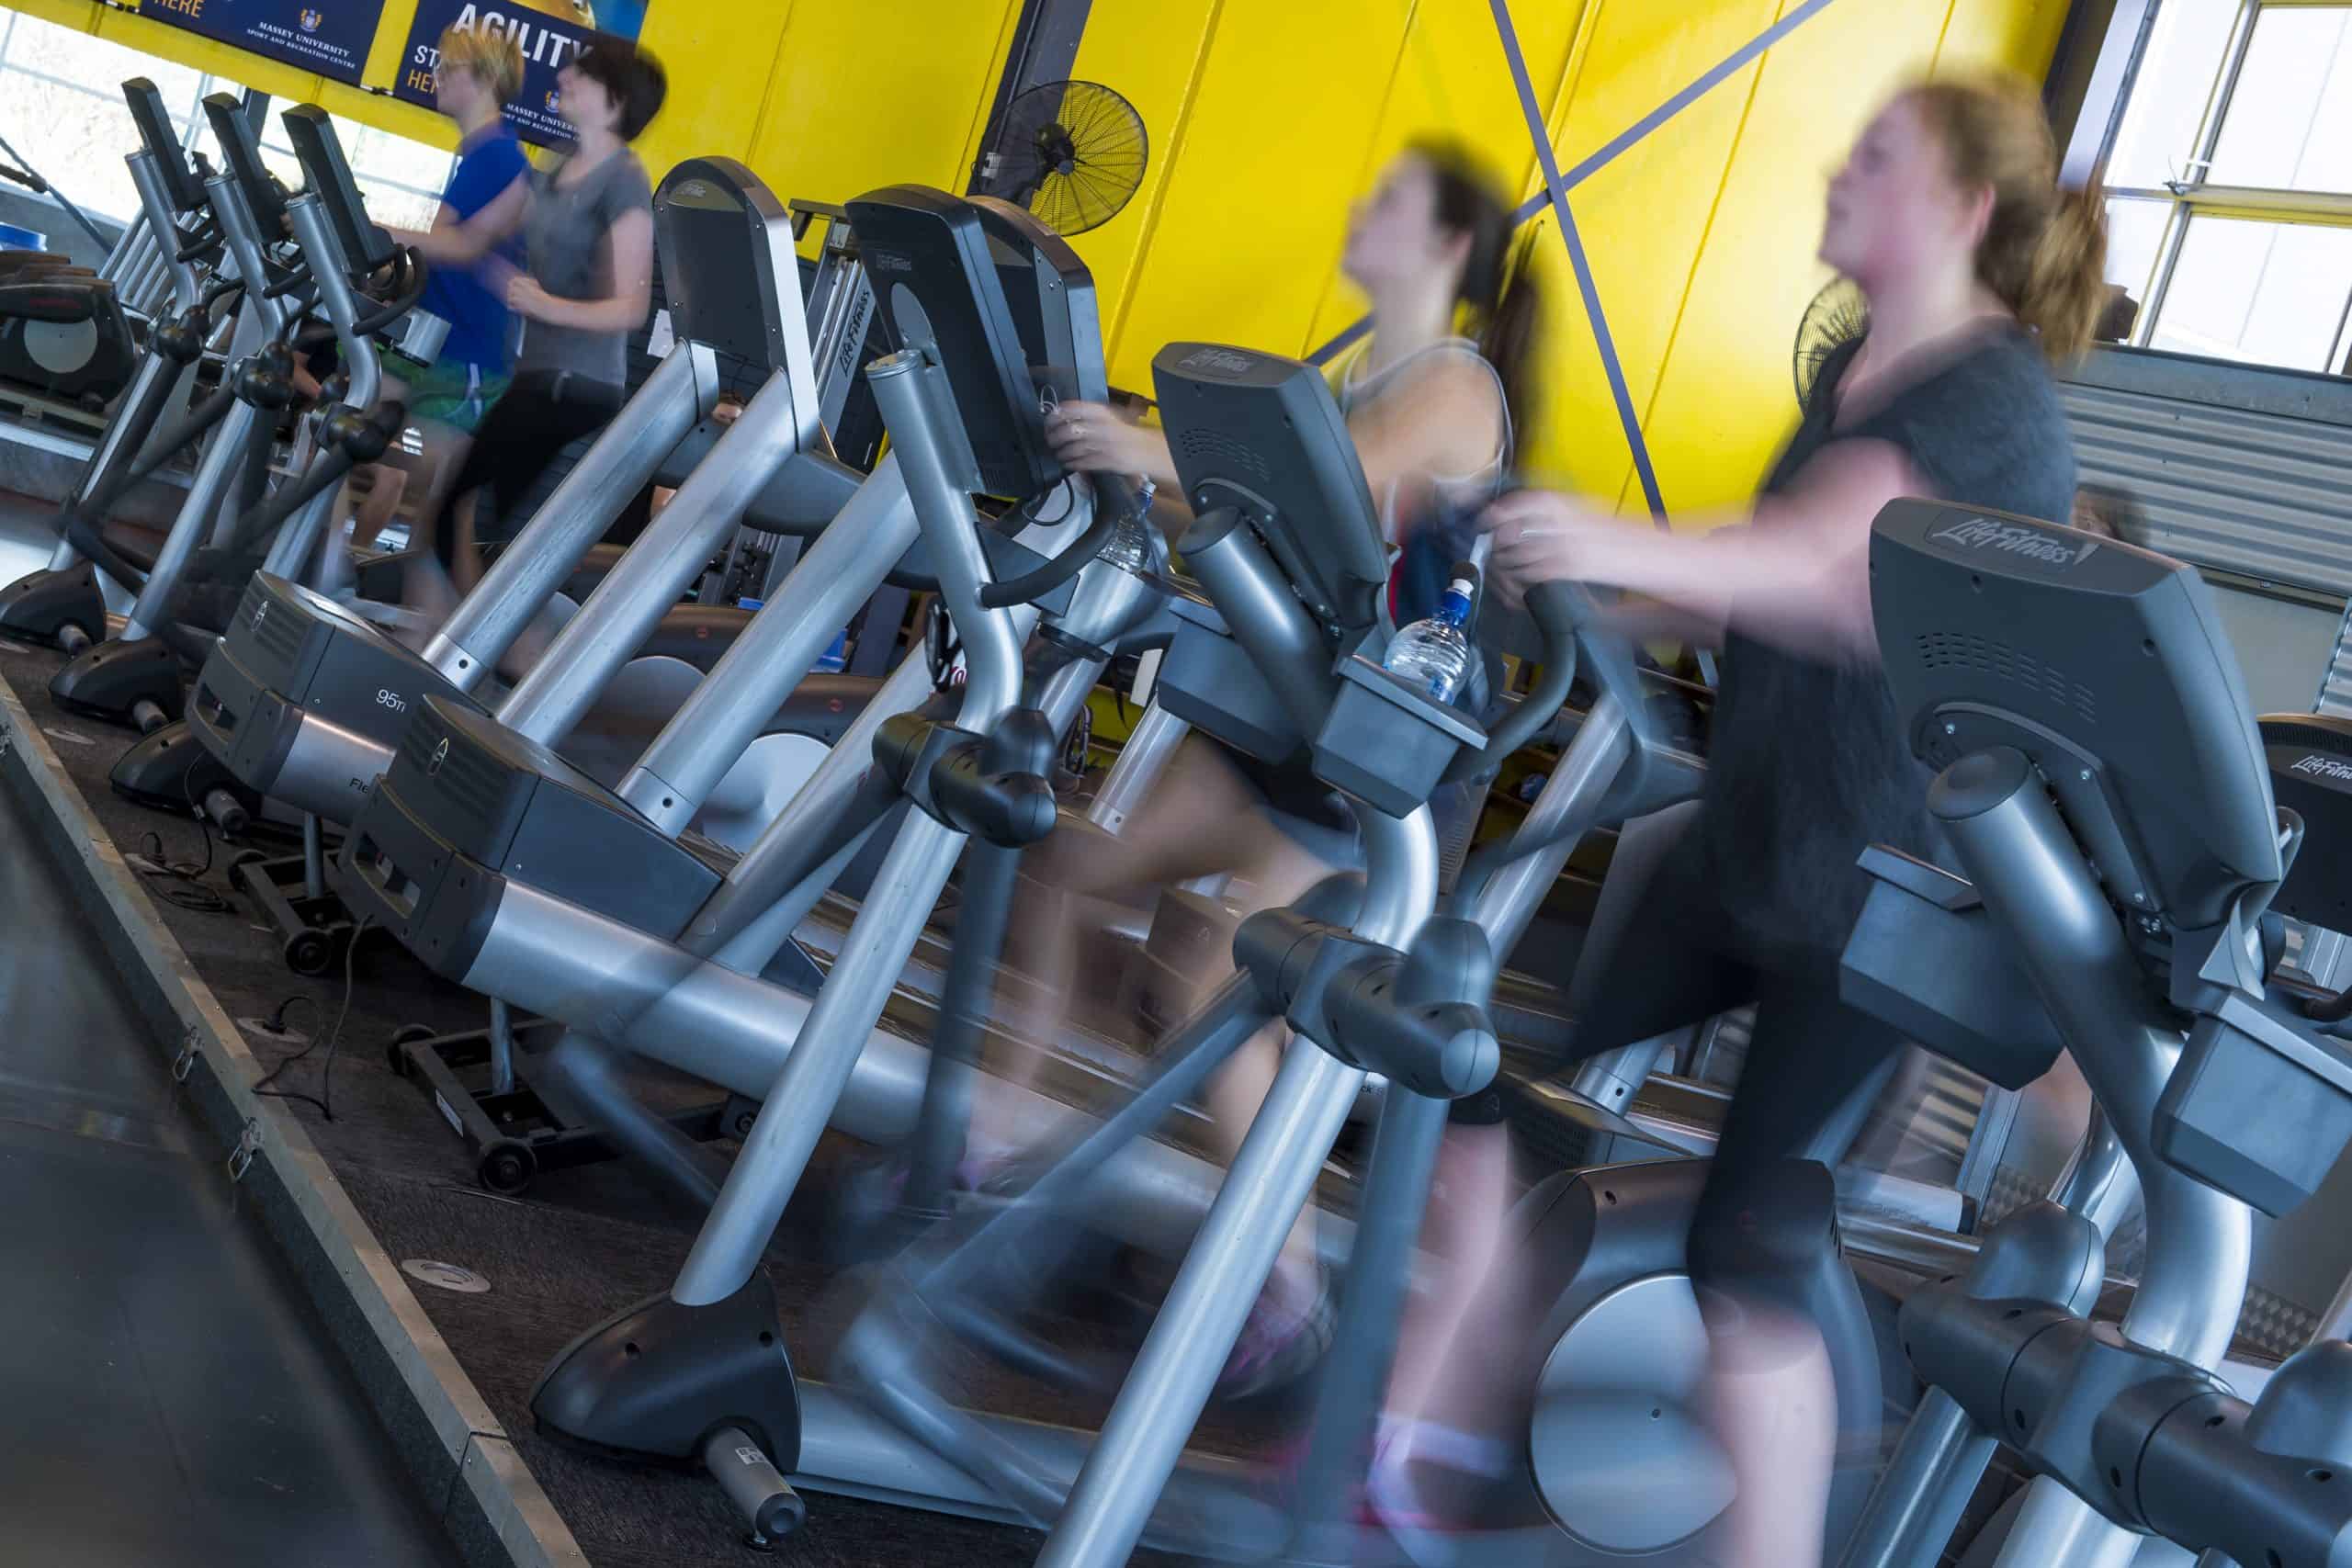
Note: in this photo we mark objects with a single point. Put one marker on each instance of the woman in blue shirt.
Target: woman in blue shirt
(481, 69)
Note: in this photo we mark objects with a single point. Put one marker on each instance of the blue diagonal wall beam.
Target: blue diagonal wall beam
(1557, 184)
(1611, 364)
(1728, 67)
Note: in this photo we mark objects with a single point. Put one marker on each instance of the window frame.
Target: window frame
(2191, 196)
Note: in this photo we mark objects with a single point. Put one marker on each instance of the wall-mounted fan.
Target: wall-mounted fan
(1072, 153)
(1837, 315)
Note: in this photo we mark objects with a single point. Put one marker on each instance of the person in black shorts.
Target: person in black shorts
(1979, 272)
(587, 225)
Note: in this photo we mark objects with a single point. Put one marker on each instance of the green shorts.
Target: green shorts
(454, 395)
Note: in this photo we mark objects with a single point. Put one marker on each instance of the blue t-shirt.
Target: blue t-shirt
(477, 318)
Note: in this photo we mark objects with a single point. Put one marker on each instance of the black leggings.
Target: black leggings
(538, 416)
(1677, 960)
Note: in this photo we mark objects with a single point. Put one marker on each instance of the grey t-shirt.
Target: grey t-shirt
(571, 256)
(1809, 762)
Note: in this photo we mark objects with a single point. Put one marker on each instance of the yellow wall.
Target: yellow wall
(809, 93)
(1269, 116)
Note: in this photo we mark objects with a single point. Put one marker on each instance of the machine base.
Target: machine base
(656, 1381)
(55, 608)
(138, 682)
(317, 929)
(170, 770)
(513, 1134)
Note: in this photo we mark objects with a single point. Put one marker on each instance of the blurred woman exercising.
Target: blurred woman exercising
(1979, 272)
(1432, 412)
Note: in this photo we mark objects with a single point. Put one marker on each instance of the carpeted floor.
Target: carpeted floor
(579, 1246)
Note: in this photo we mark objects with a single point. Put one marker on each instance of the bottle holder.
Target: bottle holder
(1924, 957)
(2257, 1106)
(1384, 744)
(1208, 682)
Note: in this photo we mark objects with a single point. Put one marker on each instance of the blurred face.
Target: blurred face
(456, 90)
(1894, 209)
(1393, 233)
(585, 102)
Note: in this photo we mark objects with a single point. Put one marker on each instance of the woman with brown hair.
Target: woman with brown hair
(1980, 273)
(1431, 402)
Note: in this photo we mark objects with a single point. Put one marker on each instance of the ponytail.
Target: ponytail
(2066, 288)
(1509, 336)
(2045, 250)
(1498, 284)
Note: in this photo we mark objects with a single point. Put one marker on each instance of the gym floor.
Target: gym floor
(168, 1396)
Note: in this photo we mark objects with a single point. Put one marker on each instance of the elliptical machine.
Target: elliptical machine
(302, 701)
(2213, 1088)
(62, 332)
(63, 605)
(136, 678)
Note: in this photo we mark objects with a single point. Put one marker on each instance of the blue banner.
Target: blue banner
(329, 37)
(550, 32)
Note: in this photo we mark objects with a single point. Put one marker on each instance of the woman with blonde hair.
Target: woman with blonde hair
(1980, 274)
(481, 69)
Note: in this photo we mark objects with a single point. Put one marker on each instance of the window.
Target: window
(2229, 183)
(67, 119)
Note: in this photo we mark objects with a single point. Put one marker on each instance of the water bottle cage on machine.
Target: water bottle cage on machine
(1415, 1016)
(995, 787)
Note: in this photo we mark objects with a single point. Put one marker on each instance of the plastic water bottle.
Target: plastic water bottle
(1434, 654)
(1129, 546)
(836, 656)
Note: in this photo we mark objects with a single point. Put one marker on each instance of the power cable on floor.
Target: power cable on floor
(181, 883)
(324, 1102)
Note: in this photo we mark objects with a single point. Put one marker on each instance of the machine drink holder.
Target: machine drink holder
(2106, 792)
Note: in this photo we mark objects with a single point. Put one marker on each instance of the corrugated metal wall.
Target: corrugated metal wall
(2241, 469)
(2254, 490)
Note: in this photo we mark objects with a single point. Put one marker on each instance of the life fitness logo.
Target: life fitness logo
(310, 20)
(2329, 768)
(2015, 539)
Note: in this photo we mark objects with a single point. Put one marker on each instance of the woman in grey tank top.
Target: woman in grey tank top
(1432, 412)
(587, 225)
(1979, 271)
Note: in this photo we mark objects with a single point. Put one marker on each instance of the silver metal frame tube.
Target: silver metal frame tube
(331, 273)
(799, 1105)
(1271, 1182)
(606, 979)
(767, 663)
(213, 476)
(211, 485)
(928, 438)
(2034, 879)
(1150, 747)
(155, 213)
(631, 602)
(682, 389)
